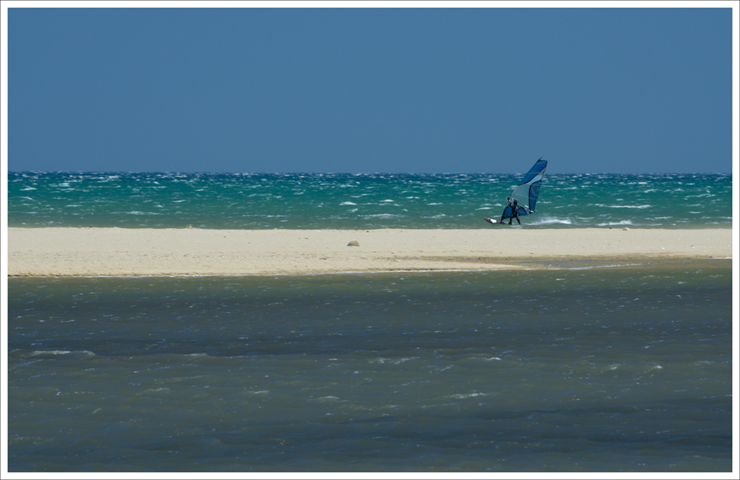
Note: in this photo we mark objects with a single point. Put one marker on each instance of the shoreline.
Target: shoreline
(114, 252)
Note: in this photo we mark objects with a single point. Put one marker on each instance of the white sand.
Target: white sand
(118, 251)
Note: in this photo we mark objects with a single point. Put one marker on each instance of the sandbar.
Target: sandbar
(190, 251)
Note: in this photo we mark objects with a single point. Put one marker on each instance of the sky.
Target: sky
(363, 90)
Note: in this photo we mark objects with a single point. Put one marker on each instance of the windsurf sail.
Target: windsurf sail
(527, 191)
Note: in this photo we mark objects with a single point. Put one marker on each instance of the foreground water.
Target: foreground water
(361, 201)
(578, 369)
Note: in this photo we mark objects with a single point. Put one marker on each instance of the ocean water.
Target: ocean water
(360, 201)
(583, 368)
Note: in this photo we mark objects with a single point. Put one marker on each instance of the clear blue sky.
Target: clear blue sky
(370, 90)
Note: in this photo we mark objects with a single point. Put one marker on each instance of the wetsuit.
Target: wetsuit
(515, 213)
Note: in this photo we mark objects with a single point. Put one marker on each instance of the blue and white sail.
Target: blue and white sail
(527, 191)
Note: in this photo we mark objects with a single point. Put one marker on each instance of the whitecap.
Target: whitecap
(547, 220)
(259, 392)
(328, 398)
(50, 352)
(621, 222)
(623, 206)
(161, 390)
(395, 361)
(463, 396)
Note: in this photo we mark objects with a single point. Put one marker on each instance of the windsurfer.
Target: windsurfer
(527, 190)
(514, 212)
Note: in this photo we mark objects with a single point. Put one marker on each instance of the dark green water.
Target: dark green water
(599, 369)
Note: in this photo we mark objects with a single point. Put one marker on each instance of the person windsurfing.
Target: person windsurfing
(527, 190)
(514, 212)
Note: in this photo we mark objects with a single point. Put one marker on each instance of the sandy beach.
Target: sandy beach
(122, 252)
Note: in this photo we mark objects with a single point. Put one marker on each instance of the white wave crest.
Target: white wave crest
(50, 352)
(462, 396)
(623, 206)
(394, 361)
(156, 391)
(54, 353)
(549, 220)
(610, 224)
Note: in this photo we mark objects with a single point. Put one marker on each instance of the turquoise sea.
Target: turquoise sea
(360, 201)
(588, 367)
